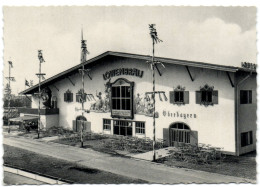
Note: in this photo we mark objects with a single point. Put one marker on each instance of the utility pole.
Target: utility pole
(39, 75)
(8, 91)
(153, 64)
(82, 71)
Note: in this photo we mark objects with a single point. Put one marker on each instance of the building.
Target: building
(198, 102)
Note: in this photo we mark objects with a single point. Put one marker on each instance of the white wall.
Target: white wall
(247, 112)
(215, 124)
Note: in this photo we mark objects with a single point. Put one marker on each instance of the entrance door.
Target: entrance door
(80, 122)
(179, 134)
(123, 128)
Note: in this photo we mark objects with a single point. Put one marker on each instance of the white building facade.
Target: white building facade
(196, 102)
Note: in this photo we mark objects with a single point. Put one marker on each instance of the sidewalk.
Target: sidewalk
(138, 169)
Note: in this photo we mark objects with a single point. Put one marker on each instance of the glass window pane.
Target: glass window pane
(181, 96)
(127, 91)
(128, 107)
(123, 104)
(113, 91)
(123, 91)
(203, 96)
(209, 96)
(118, 104)
(114, 104)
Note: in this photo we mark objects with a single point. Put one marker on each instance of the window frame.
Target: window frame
(140, 129)
(206, 92)
(249, 97)
(119, 113)
(106, 126)
(68, 96)
(248, 138)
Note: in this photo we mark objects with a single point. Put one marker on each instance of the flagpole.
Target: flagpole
(9, 98)
(154, 153)
(39, 98)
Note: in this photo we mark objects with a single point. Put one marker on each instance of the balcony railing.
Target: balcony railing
(44, 111)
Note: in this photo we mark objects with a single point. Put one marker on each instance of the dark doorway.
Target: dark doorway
(123, 128)
(79, 122)
(179, 134)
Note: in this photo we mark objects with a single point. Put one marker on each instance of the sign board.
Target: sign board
(122, 113)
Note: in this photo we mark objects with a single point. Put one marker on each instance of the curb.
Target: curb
(33, 176)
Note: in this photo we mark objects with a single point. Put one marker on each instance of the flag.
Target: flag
(11, 63)
(26, 83)
(40, 56)
(153, 33)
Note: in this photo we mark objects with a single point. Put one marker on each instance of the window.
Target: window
(68, 96)
(246, 138)
(122, 98)
(123, 127)
(207, 96)
(106, 124)
(79, 96)
(179, 96)
(245, 96)
(179, 132)
(140, 127)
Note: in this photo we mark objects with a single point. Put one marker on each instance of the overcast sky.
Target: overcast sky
(219, 35)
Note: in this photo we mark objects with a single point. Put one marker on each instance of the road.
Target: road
(14, 179)
(138, 169)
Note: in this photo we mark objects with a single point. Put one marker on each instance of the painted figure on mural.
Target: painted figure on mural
(103, 102)
(143, 105)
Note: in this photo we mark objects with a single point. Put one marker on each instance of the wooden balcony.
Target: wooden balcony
(44, 111)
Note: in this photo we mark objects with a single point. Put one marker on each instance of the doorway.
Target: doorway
(179, 134)
(124, 128)
(79, 122)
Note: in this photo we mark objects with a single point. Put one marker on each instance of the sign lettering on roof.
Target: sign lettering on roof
(123, 71)
(248, 65)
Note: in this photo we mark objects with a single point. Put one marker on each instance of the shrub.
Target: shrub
(202, 154)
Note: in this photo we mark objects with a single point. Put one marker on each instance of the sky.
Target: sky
(218, 35)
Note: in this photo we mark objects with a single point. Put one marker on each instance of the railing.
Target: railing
(44, 111)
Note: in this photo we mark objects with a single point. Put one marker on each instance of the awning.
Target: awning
(24, 118)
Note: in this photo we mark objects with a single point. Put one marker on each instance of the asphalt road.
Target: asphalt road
(138, 169)
(14, 179)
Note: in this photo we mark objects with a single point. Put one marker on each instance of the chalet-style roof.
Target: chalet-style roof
(145, 58)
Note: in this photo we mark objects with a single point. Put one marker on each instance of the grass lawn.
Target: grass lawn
(242, 166)
(62, 169)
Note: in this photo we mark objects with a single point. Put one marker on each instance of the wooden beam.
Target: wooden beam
(231, 82)
(158, 69)
(192, 79)
(71, 81)
(55, 87)
(28, 98)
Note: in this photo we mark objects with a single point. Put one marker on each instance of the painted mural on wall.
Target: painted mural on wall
(143, 104)
(102, 103)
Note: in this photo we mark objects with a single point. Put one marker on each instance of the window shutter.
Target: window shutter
(87, 126)
(71, 97)
(172, 97)
(186, 97)
(194, 137)
(250, 96)
(65, 97)
(198, 97)
(215, 97)
(74, 125)
(77, 98)
(166, 136)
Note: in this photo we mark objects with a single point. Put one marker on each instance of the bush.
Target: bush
(202, 154)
